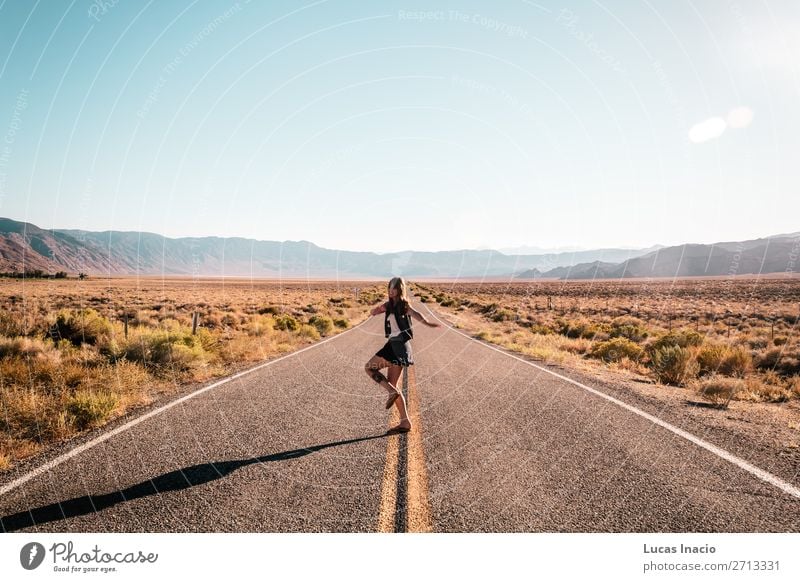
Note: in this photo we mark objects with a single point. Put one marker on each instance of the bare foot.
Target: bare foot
(404, 426)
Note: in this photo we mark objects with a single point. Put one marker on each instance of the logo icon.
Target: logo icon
(31, 556)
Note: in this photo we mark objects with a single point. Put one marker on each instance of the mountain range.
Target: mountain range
(26, 247)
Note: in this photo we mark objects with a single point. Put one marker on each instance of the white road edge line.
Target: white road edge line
(78, 450)
(784, 486)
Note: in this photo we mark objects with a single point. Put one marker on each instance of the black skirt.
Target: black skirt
(397, 352)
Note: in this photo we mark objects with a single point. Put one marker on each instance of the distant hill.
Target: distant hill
(24, 246)
(773, 254)
(553, 265)
(573, 257)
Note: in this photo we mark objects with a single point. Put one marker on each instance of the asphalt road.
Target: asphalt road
(299, 445)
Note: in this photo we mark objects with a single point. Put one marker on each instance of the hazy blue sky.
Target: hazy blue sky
(404, 125)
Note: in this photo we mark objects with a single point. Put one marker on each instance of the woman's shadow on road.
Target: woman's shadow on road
(173, 481)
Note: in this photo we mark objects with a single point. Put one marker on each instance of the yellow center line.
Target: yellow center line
(419, 511)
(389, 486)
(417, 507)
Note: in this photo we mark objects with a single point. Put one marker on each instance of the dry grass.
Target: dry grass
(67, 365)
(718, 389)
(674, 332)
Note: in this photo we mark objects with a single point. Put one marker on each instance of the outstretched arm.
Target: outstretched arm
(417, 315)
(379, 309)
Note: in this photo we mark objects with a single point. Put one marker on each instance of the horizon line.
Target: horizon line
(543, 251)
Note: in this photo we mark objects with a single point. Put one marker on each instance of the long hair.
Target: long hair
(402, 296)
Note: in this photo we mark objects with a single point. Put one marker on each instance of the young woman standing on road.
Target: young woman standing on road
(396, 353)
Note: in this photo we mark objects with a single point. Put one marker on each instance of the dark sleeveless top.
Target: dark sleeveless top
(403, 321)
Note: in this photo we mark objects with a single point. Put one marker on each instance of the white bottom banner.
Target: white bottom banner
(372, 557)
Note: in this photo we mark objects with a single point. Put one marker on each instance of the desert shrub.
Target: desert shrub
(30, 414)
(782, 360)
(13, 372)
(323, 324)
(308, 331)
(208, 340)
(772, 377)
(613, 350)
(630, 328)
(757, 343)
(583, 328)
(260, 325)
(794, 386)
(70, 375)
(89, 409)
(269, 310)
(541, 329)
(719, 389)
(502, 315)
(790, 365)
(110, 349)
(769, 359)
(84, 326)
(24, 347)
(577, 346)
(673, 365)
(756, 389)
(779, 340)
(370, 296)
(211, 321)
(635, 366)
(710, 357)
(737, 362)
(485, 335)
(180, 350)
(683, 338)
(286, 323)
(184, 357)
(41, 365)
(142, 318)
(343, 323)
(229, 320)
(129, 380)
(11, 325)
